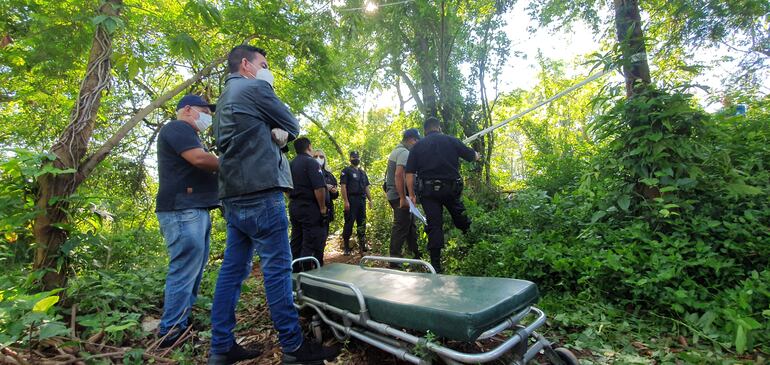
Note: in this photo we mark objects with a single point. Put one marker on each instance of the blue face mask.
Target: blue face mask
(203, 121)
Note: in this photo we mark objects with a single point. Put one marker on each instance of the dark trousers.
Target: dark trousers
(308, 234)
(403, 229)
(357, 214)
(434, 214)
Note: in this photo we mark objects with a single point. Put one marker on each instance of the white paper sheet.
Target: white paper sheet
(416, 212)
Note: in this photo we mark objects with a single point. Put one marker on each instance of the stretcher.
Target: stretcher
(421, 317)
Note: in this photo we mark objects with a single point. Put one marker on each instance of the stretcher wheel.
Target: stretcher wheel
(566, 356)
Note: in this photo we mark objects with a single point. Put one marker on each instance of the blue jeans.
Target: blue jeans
(187, 233)
(257, 223)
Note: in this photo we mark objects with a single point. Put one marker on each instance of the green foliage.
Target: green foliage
(653, 220)
(28, 317)
(670, 217)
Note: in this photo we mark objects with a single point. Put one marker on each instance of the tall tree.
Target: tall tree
(678, 28)
(423, 44)
(69, 150)
(628, 28)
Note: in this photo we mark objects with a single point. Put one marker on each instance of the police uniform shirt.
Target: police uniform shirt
(355, 180)
(436, 157)
(307, 176)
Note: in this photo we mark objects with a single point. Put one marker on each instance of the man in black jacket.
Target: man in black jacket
(251, 128)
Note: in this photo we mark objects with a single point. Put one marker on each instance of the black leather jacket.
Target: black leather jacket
(249, 160)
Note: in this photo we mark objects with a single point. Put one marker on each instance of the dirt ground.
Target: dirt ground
(256, 329)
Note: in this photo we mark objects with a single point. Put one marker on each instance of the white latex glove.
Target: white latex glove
(280, 137)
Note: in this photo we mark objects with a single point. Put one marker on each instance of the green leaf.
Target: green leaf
(624, 202)
(740, 189)
(118, 328)
(184, 45)
(655, 137)
(99, 19)
(598, 215)
(110, 24)
(740, 340)
(52, 329)
(650, 181)
(43, 305)
(749, 323)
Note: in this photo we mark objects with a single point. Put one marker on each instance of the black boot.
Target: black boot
(236, 353)
(435, 260)
(170, 338)
(311, 353)
(346, 246)
(362, 245)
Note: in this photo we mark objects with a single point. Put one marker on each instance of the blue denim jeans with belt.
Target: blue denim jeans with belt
(257, 223)
(187, 235)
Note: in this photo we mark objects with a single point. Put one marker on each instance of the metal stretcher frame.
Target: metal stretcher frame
(402, 344)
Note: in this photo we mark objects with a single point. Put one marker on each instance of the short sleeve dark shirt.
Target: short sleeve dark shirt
(182, 185)
(355, 180)
(307, 176)
(437, 157)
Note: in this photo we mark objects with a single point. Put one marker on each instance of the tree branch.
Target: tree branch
(90, 163)
(412, 88)
(328, 135)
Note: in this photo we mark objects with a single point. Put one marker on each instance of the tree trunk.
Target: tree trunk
(628, 25)
(70, 152)
(486, 111)
(427, 79)
(69, 149)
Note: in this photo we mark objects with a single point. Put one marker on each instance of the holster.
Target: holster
(438, 187)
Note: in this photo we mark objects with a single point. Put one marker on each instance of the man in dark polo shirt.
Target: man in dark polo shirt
(355, 191)
(307, 207)
(187, 191)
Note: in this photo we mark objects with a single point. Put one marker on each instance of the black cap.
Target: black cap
(194, 100)
(353, 154)
(412, 133)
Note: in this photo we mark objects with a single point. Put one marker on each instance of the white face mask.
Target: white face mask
(203, 121)
(320, 161)
(266, 75)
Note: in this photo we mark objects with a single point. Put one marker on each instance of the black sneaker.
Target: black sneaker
(170, 338)
(236, 353)
(346, 252)
(311, 353)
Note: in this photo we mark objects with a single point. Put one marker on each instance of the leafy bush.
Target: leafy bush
(672, 217)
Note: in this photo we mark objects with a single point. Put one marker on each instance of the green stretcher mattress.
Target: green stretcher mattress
(453, 307)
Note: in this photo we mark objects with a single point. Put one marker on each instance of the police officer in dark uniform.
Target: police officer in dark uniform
(435, 161)
(307, 207)
(354, 185)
